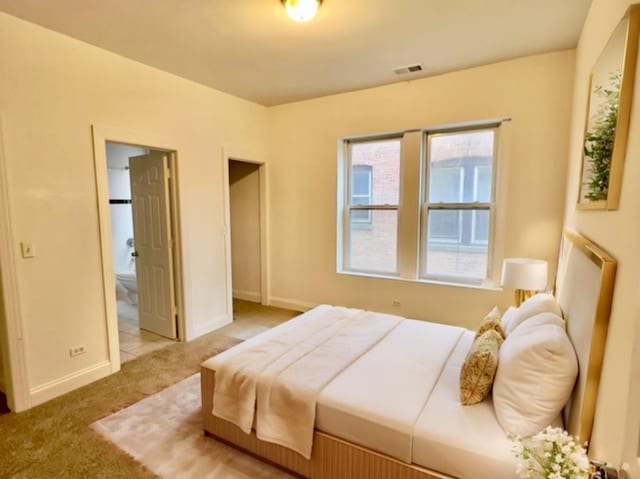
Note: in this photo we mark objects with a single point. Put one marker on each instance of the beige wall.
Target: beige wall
(615, 435)
(535, 91)
(3, 345)
(244, 198)
(52, 89)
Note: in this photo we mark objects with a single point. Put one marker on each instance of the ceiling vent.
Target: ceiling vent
(408, 69)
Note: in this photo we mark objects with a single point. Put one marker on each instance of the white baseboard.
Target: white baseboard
(247, 296)
(209, 326)
(65, 384)
(293, 304)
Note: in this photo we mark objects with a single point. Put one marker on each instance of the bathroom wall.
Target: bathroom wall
(120, 189)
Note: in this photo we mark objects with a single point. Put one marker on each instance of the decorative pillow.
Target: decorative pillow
(491, 321)
(479, 368)
(540, 303)
(538, 368)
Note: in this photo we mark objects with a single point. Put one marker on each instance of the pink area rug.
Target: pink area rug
(164, 432)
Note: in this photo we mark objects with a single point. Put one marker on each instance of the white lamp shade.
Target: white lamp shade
(524, 273)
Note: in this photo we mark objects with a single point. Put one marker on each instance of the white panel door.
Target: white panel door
(153, 245)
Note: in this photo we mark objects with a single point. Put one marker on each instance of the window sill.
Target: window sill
(489, 286)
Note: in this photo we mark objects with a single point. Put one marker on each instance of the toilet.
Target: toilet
(128, 281)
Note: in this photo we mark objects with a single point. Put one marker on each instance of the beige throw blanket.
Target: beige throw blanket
(285, 372)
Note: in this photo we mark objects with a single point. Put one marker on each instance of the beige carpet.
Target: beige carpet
(54, 440)
(164, 433)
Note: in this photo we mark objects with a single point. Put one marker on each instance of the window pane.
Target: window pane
(447, 183)
(460, 166)
(480, 225)
(382, 158)
(460, 257)
(373, 245)
(483, 184)
(360, 200)
(445, 225)
(361, 216)
(361, 178)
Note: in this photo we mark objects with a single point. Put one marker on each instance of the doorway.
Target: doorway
(246, 220)
(142, 218)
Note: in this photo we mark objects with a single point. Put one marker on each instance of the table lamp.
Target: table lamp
(526, 276)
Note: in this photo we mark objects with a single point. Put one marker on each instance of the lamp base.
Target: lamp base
(521, 295)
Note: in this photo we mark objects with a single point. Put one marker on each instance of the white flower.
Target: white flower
(550, 454)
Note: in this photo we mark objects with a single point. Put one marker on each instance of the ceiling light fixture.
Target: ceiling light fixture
(301, 10)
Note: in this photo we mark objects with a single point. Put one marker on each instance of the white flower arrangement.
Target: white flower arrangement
(551, 454)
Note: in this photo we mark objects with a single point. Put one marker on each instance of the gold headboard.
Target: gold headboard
(584, 288)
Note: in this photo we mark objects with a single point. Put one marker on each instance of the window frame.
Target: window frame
(344, 260)
(412, 215)
(461, 206)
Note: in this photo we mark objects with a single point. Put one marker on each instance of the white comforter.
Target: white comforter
(284, 372)
(383, 382)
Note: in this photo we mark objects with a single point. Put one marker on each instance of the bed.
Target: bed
(390, 408)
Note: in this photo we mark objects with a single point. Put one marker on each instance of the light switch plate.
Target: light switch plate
(27, 250)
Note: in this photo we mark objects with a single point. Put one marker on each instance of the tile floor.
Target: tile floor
(134, 341)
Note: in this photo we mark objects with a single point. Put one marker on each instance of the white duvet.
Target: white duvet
(384, 382)
(283, 374)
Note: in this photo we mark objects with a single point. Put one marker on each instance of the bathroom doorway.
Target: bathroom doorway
(142, 219)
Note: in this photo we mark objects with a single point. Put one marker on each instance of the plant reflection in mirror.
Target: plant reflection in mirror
(598, 145)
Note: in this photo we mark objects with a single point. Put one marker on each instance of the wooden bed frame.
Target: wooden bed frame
(334, 458)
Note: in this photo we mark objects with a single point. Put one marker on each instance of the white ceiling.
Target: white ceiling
(250, 48)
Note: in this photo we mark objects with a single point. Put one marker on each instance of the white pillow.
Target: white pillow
(540, 303)
(537, 369)
(507, 317)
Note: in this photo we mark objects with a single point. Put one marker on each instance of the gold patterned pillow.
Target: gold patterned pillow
(491, 321)
(479, 368)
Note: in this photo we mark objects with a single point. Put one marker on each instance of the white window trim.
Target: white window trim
(347, 207)
(410, 244)
(490, 275)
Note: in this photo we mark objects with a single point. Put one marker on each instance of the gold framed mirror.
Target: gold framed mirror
(607, 121)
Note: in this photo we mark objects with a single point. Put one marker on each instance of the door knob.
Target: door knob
(135, 254)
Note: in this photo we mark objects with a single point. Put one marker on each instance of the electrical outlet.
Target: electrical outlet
(395, 303)
(77, 350)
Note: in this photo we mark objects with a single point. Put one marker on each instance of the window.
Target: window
(420, 204)
(458, 204)
(374, 171)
